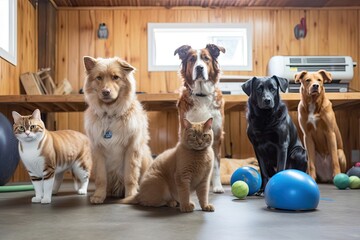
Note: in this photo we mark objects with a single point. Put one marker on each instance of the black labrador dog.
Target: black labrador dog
(270, 129)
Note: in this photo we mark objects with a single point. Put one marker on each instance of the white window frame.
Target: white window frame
(11, 54)
(152, 66)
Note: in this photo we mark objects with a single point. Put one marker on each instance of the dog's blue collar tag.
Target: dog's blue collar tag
(108, 134)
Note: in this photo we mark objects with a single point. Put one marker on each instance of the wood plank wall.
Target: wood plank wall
(330, 31)
(26, 62)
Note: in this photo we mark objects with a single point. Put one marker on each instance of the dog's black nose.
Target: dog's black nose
(199, 68)
(267, 101)
(105, 92)
(316, 86)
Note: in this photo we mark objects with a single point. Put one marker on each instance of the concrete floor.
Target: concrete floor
(70, 216)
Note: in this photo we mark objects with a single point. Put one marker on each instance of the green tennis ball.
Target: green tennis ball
(341, 181)
(354, 182)
(240, 189)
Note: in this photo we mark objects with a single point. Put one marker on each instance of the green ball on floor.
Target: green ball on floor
(341, 181)
(240, 189)
(354, 182)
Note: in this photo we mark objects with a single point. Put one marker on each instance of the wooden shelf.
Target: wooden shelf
(156, 102)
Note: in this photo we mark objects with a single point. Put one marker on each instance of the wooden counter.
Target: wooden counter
(156, 102)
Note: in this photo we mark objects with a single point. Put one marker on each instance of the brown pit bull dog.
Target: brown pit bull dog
(317, 120)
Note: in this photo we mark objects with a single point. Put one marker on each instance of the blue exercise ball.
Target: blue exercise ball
(249, 175)
(292, 190)
(9, 153)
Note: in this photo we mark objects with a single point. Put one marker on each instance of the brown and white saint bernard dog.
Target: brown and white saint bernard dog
(200, 98)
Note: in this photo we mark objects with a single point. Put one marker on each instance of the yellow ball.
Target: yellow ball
(354, 182)
(240, 189)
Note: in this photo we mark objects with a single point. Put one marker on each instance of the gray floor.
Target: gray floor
(70, 216)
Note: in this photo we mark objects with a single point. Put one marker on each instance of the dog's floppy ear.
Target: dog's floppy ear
(182, 51)
(299, 76)
(215, 50)
(125, 65)
(283, 83)
(89, 63)
(247, 86)
(325, 75)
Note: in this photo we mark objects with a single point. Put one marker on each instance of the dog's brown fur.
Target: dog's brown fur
(200, 98)
(317, 120)
(117, 127)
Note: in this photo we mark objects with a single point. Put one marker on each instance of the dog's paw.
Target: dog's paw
(218, 189)
(97, 199)
(208, 208)
(187, 207)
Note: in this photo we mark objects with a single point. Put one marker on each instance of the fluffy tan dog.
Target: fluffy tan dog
(317, 120)
(117, 127)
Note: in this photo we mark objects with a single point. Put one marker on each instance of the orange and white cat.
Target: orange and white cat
(179, 171)
(48, 154)
(117, 126)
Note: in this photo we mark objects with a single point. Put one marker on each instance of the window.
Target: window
(165, 38)
(8, 26)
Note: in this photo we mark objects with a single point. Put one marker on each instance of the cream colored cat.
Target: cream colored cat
(48, 154)
(179, 171)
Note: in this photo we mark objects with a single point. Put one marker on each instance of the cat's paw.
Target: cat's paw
(45, 200)
(97, 199)
(187, 207)
(218, 189)
(82, 191)
(36, 200)
(172, 203)
(208, 208)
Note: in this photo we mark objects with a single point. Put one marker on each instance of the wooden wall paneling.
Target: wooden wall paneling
(173, 80)
(62, 64)
(122, 34)
(343, 124)
(87, 34)
(74, 65)
(284, 32)
(352, 37)
(258, 49)
(357, 70)
(104, 47)
(294, 47)
(47, 35)
(226, 146)
(151, 82)
(267, 51)
(157, 130)
(172, 128)
(134, 48)
(310, 45)
(323, 32)
(4, 77)
(246, 148)
(335, 23)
